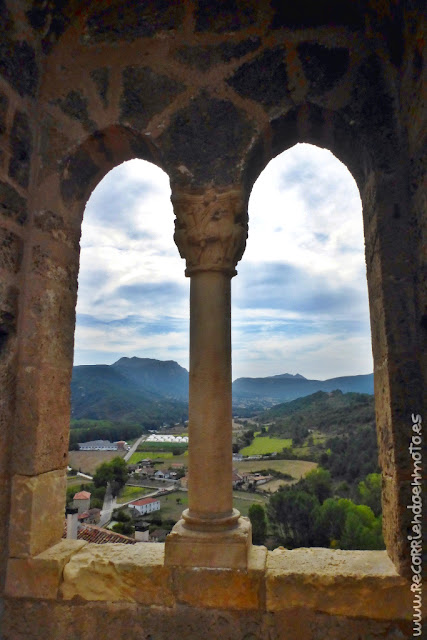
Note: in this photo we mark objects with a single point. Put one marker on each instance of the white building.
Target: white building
(102, 445)
(155, 437)
(145, 505)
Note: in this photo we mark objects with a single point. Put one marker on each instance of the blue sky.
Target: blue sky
(300, 300)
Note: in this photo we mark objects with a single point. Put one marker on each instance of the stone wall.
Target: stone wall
(78, 590)
(210, 92)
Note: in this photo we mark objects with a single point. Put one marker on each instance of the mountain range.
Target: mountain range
(145, 389)
(283, 388)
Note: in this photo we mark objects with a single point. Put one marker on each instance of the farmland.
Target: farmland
(132, 493)
(88, 461)
(295, 468)
(262, 445)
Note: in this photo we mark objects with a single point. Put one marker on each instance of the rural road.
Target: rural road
(134, 447)
(110, 502)
(107, 507)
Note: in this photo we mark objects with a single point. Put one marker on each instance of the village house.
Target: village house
(81, 501)
(145, 505)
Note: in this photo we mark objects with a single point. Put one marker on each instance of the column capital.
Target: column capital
(210, 229)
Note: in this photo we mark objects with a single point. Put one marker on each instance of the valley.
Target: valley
(306, 451)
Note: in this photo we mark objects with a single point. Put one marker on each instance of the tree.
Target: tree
(329, 521)
(114, 473)
(318, 482)
(292, 510)
(125, 528)
(369, 492)
(259, 523)
(346, 525)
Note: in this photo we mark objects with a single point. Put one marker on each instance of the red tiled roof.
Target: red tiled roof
(82, 495)
(143, 501)
(98, 535)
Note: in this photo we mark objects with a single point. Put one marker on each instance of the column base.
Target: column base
(213, 549)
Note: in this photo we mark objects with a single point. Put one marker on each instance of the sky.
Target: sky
(299, 301)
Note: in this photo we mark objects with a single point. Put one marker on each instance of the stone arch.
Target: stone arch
(373, 157)
(46, 326)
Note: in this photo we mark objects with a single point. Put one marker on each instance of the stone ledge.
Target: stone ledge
(240, 590)
(354, 584)
(118, 572)
(348, 583)
(41, 576)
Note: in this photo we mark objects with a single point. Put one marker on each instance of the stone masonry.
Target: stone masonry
(210, 92)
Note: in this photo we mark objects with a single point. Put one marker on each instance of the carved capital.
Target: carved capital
(210, 229)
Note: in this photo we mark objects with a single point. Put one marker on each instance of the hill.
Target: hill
(166, 378)
(150, 392)
(333, 428)
(104, 392)
(328, 412)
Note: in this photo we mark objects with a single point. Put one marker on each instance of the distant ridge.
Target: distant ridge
(283, 388)
(138, 389)
(289, 375)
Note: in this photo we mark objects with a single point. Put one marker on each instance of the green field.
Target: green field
(243, 500)
(263, 445)
(132, 493)
(161, 457)
(162, 446)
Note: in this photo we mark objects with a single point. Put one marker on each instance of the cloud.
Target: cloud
(299, 300)
(282, 286)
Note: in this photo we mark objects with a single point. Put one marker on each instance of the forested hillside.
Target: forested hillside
(335, 429)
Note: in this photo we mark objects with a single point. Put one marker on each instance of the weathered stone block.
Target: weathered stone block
(303, 15)
(338, 583)
(145, 93)
(37, 513)
(48, 324)
(11, 249)
(115, 572)
(101, 79)
(12, 204)
(75, 105)
(323, 67)
(205, 57)
(18, 66)
(4, 103)
(194, 154)
(78, 176)
(53, 224)
(263, 79)
(54, 264)
(42, 419)
(21, 145)
(40, 576)
(140, 20)
(223, 588)
(226, 16)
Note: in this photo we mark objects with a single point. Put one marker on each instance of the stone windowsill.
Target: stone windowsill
(347, 583)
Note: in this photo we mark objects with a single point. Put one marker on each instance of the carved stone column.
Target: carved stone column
(210, 232)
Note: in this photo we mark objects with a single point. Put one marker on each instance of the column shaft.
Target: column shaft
(210, 432)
